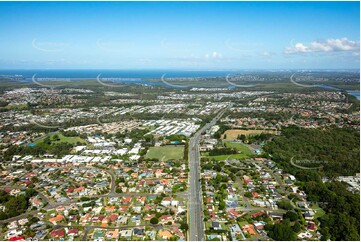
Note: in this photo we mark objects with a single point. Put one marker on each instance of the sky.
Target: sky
(179, 35)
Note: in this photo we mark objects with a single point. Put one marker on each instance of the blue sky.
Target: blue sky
(179, 35)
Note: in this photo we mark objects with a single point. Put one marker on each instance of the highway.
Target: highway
(196, 225)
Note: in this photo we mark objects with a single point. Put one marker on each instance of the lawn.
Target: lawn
(208, 225)
(228, 157)
(17, 106)
(319, 212)
(164, 153)
(239, 146)
(62, 138)
(242, 223)
(245, 152)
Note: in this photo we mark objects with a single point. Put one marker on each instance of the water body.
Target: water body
(135, 77)
(354, 93)
(140, 75)
(115, 73)
(328, 87)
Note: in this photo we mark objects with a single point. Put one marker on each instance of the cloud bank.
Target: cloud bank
(330, 45)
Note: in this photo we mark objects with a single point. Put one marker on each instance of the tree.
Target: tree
(34, 179)
(222, 205)
(184, 226)
(292, 216)
(335, 151)
(47, 140)
(15, 205)
(154, 220)
(285, 204)
(248, 194)
(28, 167)
(56, 137)
(282, 231)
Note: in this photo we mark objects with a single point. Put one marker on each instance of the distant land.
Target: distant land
(93, 73)
(152, 77)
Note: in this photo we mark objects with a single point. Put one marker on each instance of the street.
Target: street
(195, 196)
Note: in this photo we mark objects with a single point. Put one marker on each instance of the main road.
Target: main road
(196, 225)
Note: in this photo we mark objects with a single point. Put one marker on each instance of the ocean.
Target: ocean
(26, 75)
(115, 73)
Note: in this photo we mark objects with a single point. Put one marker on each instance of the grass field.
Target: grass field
(239, 146)
(17, 106)
(232, 134)
(319, 212)
(164, 153)
(245, 152)
(62, 138)
(242, 223)
(228, 157)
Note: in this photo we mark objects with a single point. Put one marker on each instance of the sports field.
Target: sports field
(164, 153)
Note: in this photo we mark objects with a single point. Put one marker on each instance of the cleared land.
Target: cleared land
(62, 138)
(245, 152)
(239, 146)
(227, 157)
(164, 153)
(232, 134)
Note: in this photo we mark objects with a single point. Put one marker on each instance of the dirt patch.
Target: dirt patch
(232, 134)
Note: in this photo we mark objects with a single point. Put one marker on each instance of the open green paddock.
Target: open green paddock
(62, 138)
(164, 153)
(245, 152)
(239, 146)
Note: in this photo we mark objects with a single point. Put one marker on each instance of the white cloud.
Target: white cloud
(214, 55)
(330, 45)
